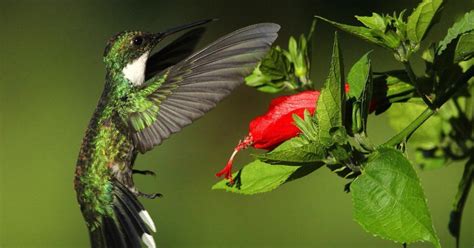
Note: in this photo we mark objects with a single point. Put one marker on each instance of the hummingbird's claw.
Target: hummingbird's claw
(144, 172)
(149, 196)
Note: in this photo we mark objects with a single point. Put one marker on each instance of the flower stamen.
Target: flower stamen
(227, 170)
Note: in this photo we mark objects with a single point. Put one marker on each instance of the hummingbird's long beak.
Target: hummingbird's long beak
(159, 36)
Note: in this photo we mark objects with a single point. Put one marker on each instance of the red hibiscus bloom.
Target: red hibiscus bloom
(276, 126)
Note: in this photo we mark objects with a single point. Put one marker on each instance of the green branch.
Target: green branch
(405, 134)
(455, 87)
(410, 129)
(460, 200)
(414, 81)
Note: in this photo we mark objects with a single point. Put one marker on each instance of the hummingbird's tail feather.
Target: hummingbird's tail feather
(107, 235)
(132, 217)
(130, 226)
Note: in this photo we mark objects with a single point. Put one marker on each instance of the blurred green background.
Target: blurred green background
(51, 75)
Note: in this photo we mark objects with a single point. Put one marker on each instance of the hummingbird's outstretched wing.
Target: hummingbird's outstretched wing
(184, 92)
(174, 52)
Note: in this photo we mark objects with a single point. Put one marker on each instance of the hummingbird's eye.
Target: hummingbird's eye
(137, 41)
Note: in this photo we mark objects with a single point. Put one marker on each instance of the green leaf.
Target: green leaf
(260, 177)
(270, 89)
(274, 64)
(389, 202)
(428, 54)
(398, 84)
(257, 78)
(308, 126)
(331, 102)
(283, 70)
(465, 65)
(375, 21)
(363, 33)
(422, 18)
(366, 99)
(272, 74)
(464, 25)
(358, 76)
(295, 151)
(340, 150)
(293, 47)
(390, 87)
(464, 48)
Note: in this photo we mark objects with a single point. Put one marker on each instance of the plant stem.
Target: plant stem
(428, 112)
(459, 84)
(410, 129)
(470, 105)
(460, 200)
(414, 81)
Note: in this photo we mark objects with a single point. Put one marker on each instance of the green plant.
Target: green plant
(437, 110)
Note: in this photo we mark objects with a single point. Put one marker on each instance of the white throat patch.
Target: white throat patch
(135, 70)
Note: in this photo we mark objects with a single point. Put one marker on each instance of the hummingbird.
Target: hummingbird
(147, 97)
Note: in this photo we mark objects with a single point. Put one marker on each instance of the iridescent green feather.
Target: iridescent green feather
(96, 181)
(140, 108)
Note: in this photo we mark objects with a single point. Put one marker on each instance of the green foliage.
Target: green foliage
(427, 136)
(465, 47)
(390, 87)
(394, 33)
(442, 138)
(302, 150)
(308, 126)
(433, 114)
(330, 112)
(272, 74)
(260, 177)
(461, 198)
(358, 76)
(361, 87)
(389, 202)
(375, 36)
(297, 151)
(375, 22)
(284, 69)
(422, 18)
(464, 25)
(297, 52)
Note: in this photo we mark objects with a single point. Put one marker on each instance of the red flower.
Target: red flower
(276, 126)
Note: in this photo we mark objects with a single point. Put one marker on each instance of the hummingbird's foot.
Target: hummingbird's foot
(144, 172)
(149, 196)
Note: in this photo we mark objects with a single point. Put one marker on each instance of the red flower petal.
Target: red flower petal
(275, 126)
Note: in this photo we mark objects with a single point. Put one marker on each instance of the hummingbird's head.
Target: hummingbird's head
(127, 53)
